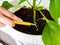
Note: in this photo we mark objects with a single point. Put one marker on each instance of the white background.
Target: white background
(44, 3)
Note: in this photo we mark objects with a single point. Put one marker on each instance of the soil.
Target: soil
(27, 15)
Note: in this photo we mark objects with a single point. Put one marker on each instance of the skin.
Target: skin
(6, 18)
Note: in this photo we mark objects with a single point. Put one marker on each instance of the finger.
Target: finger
(2, 24)
(9, 14)
(6, 21)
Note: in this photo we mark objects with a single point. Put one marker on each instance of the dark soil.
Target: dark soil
(27, 15)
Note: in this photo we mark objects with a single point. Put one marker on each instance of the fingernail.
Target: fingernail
(20, 20)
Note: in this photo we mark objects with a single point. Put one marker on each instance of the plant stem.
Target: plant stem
(17, 6)
(29, 3)
(39, 2)
(34, 11)
(44, 17)
(39, 19)
(34, 16)
(48, 22)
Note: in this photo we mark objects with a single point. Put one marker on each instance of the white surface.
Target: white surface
(44, 3)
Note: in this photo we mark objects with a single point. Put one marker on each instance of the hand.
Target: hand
(6, 17)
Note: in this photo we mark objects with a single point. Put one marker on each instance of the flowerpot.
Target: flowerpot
(19, 37)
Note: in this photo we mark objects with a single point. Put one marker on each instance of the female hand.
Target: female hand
(6, 18)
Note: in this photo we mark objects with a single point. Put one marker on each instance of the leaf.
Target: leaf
(51, 34)
(21, 1)
(7, 5)
(55, 9)
(46, 36)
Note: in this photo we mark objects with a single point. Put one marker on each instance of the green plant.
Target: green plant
(51, 33)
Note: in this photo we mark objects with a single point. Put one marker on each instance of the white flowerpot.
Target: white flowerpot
(19, 37)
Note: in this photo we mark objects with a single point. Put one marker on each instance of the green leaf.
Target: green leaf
(51, 34)
(46, 36)
(7, 5)
(55, 9)
(21, 1)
